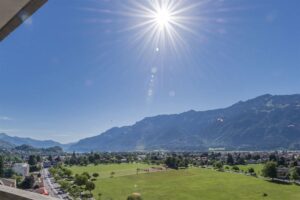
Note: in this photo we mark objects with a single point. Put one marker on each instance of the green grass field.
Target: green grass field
(257, 168)
(190, 184)
(105, 170)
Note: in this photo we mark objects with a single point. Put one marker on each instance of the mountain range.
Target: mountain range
(268, 122)
(263, 123)
(17, 141)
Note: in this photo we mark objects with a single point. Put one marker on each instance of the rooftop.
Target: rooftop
(15, 12)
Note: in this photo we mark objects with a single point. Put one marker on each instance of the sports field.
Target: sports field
(189, 184)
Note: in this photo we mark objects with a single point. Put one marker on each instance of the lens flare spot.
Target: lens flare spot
(150, 92)
(154, 70)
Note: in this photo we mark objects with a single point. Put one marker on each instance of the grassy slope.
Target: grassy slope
(191, 184)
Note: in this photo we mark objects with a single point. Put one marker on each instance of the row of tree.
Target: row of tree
(75, 185)
(270, 170)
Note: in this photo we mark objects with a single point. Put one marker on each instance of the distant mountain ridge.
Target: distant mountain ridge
(6, 145)
(264, 123)
(267, 122)
(17, 141)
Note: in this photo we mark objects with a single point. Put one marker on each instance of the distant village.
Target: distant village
(28, 169)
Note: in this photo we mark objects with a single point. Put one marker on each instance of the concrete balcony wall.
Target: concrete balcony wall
(9, 193)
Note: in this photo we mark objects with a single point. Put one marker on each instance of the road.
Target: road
(49, 185)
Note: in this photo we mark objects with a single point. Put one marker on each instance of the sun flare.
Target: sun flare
(162, 17)
(161, 23)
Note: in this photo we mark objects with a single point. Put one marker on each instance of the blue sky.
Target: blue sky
(76, 68)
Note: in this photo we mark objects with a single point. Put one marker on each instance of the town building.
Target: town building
(282, 172)
(21, 168)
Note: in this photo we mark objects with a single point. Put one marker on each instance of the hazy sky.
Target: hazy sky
(77, 68)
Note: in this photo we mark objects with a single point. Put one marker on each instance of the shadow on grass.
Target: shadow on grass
(281, 182)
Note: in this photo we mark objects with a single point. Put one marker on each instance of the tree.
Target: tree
(218, 165)
(90, 186)
(80, 180)
(240, 161)
(75, 191)
(91, 158)
(230, 160)
(58, 159)
(86, 174)
(67, 172)
(65, 185)
(272, 157)
(50, 158)
(96, 156)
(73, 159)
(293, 163)
(8, 173)
(251, 170)
(112, 174)
(27, 182)
(1, 166)
(256, 157)
(269, 170)
(38, 158)
(32, 160)
(248, 156)
(34, 168)
(95, 175)
(235, 168)
(294, 173)
(172, 162)
(185, 163)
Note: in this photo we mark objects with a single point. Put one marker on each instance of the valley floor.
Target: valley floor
(189, 184)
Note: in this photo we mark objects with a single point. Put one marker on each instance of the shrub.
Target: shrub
(251, 170)
(235, 168)
(265, 195)
(95, 175)
(86, 174)
(27, 182)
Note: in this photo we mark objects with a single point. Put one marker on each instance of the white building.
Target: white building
(21, 168)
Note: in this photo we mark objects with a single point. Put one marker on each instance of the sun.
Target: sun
(161, 24)
(162, 17)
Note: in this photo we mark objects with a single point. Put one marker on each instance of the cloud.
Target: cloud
(5, 118)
